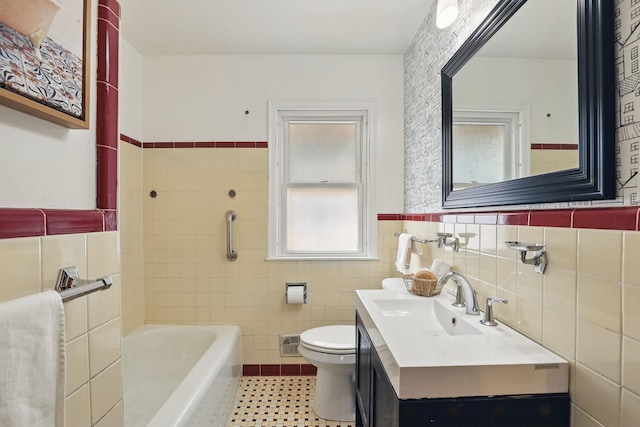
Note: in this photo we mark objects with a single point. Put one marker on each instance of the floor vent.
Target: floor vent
(289, 345)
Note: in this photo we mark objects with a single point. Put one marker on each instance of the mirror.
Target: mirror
(528, 106)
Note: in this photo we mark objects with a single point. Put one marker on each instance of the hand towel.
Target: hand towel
(439, 268)
(403, 257)
(32, 364)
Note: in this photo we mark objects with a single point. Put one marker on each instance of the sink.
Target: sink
(430, 349)
(425, 317)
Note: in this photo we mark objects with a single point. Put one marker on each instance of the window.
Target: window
(634, 53)
(628, 120)
(484, 138)
(634, 66)
(628, 107)
(634, 146)
(635, 13)
(320, 203)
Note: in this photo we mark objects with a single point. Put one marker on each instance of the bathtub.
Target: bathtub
(180, 375)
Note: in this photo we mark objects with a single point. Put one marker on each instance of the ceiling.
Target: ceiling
(208, 27)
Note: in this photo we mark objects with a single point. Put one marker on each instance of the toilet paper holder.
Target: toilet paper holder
(295, 286)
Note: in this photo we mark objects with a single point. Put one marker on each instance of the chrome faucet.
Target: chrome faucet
(464, 287)
(489, 319)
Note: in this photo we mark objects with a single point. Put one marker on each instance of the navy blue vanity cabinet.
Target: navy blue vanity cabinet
(377, 404)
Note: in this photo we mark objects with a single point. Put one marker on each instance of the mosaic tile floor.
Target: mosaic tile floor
(278, 402)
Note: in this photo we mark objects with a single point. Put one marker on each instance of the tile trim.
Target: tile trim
(275, 370)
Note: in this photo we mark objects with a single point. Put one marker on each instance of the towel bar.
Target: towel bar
(70, 286)
(415, 239)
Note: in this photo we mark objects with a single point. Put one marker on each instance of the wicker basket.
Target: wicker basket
(422, 287)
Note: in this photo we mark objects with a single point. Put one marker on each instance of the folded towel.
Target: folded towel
(32, 365)
(403, 257)
(439, 268)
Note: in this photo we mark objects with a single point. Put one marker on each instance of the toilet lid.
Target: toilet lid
(335, 339)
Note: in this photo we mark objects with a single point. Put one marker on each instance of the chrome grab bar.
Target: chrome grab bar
(231, 254)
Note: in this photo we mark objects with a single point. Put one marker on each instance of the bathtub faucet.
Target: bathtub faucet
(464, 287)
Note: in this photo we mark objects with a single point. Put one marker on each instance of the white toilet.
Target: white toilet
(332, 349)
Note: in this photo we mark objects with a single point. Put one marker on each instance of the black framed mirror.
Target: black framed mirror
(592, 175)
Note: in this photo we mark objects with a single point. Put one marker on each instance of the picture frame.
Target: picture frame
(45, 59)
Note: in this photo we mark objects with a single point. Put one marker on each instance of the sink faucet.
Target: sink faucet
(464, 287)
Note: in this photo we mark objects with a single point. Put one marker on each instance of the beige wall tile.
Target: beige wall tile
(631, 365)
(103, 254)
(631, 317)
(630, 409)
(559, 289)
(597, 396)
(105, 305)
(76, 317)
(600, 253)
(561, 245)
(529, 318)
(559, 332)
(106, 391)
(599, 349)
(104, 346)
(630, 264)
(600, 302)
(77, 363)
(582, 419)
(77, 408)
(506, 233)
(20, 268)
(113, 418)
(60, 252)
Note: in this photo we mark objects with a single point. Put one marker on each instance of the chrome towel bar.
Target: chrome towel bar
(70, 286)
(231, 215)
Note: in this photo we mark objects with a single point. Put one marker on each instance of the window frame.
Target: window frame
(281, 112)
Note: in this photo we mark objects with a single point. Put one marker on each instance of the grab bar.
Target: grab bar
(70, 286)
(231, 254)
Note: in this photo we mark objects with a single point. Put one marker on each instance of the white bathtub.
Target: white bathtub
(181, 375)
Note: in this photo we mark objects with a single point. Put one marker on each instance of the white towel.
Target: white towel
(439, 268)
(403, 257)
(32, 364)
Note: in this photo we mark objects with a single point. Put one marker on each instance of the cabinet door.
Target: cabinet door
(384, 402)
(363, 376)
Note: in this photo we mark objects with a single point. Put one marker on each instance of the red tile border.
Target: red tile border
(21, 223)
(513, 218)
(278, 370)
(107, 169)
(110, 220)
(198, 144)
(551, 218)
(608, 219)
(554, 146)
(61, 221)
(389, 217)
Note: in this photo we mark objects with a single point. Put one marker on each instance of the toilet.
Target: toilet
(332, 349)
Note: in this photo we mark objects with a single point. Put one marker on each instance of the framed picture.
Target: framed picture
(44, 59)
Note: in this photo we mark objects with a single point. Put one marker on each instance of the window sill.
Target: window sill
(311, 258)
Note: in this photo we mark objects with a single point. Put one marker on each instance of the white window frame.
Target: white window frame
(281, 112)
(516, 117)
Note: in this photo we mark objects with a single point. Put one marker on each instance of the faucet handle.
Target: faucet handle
(489, 319)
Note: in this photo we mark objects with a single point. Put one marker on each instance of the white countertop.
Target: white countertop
(423, 360)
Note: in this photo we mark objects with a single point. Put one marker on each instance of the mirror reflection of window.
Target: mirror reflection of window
(487, 147)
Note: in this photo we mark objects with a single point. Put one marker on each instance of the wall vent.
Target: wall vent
(289, 345)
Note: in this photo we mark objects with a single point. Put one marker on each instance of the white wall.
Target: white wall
(545, 86)
(44, 165)
(130, 95)
(203, 98)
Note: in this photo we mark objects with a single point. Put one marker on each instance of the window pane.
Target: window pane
(478, 154)
(322, 219)
(322, 152)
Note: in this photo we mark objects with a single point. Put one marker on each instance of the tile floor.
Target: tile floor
(278, 402)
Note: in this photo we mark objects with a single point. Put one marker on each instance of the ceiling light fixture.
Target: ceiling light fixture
(447, 13)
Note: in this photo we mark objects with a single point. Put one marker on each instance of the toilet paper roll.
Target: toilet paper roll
(296, 294)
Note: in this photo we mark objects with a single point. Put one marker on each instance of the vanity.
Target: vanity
(422, 362)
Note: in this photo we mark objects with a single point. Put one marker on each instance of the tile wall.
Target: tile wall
(583, 308)
(131, 237)
(93, 323)
(187, 278)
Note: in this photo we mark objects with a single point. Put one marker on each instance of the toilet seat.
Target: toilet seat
(334, 339)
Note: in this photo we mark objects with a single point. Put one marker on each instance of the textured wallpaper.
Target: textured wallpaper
(432, 48)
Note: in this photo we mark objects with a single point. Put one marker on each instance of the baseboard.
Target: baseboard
(278, 370)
